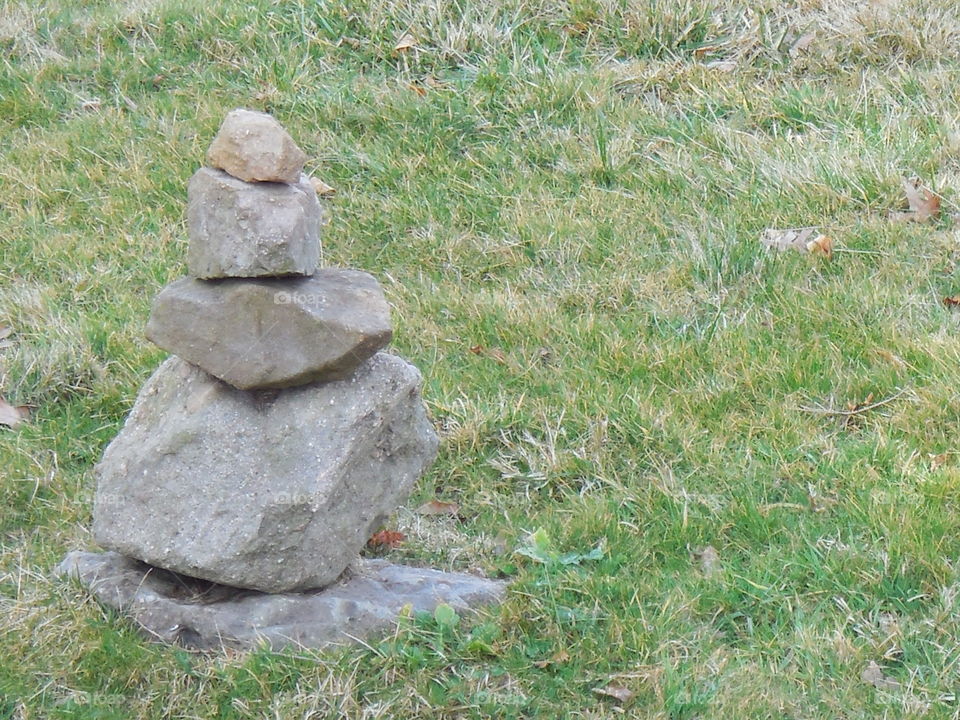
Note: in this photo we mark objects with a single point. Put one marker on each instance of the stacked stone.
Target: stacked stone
(256, 312)
(277, 439)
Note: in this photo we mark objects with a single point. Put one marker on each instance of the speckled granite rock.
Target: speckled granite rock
(254, 147)
(257, 334)
(273, 491)
(240, 229)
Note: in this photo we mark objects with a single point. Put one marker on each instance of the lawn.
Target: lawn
(564, 203)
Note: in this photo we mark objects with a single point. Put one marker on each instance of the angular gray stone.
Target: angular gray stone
(260, 334)
(273, 491)
(254, 147)
(365, 601)
(239, 229)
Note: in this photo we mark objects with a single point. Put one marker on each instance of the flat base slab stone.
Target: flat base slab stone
(197, 614)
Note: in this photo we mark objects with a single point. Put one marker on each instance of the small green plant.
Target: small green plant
(539, 547)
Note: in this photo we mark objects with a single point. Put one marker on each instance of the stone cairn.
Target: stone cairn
(260, 457)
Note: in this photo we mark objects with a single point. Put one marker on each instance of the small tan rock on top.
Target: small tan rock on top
(254, 147)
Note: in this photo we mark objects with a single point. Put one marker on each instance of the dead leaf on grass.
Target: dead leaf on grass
(799, 239)
(952, 301)
(858, 406)
(924, 203)
(937, 461)
(11, 415)
(619, 693)
(438, 507)
(558, 658)
(498, 356)
(386, 538)
(891, 358)
(821, 245)
(406, 42)
(321, 188)
(576, 29)
(873, 675)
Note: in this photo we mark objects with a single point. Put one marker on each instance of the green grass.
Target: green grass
(578, 189)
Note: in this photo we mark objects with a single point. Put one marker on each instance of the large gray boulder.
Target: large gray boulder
(254, 147)
(257, 334)
(240, 229)
(366, 600)
(273, 491)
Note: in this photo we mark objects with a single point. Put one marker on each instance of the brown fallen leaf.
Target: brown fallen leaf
(438, 507)
(386, 538)
(857, 406)
(709, 560)
(940, 460)
(558, 658)
(799, 239)
(822, 245)
(495, 354)
(321, 188)
(11, 415)
(617, 692)
(851, 416)
(418, 89)
(924, 203)
(891, 358)
(873, 675)
(406, 42)
(952, 301)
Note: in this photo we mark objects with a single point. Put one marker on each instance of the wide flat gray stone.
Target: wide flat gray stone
(273, 491)
(272, 333)
(364, 602)
(240, 229)
(254, 147)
